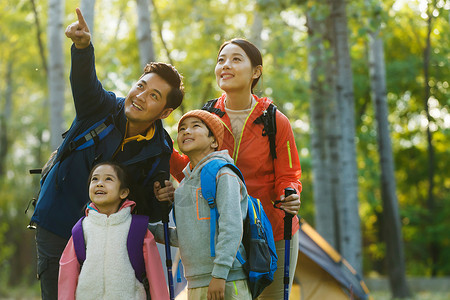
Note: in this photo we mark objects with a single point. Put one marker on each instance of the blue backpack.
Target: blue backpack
(135, 241)
(258, 238)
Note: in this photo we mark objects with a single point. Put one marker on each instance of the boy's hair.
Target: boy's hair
(120, 170)
(172, 77)
(212, 122)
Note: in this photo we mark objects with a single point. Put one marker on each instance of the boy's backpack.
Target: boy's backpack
(268, 119)
(135, 241)
(258, 238)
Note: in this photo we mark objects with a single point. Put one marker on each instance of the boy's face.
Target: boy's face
(105, 191)
(146, 101)
(193, 138)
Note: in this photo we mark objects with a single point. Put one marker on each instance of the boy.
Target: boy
(200, 134)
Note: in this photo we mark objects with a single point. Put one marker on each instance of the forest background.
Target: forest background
(354, 77)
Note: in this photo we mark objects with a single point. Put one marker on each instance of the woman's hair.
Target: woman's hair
(252, 52)
(120, 172)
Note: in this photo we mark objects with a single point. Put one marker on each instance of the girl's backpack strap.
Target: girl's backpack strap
(135, 242)
(78, 241)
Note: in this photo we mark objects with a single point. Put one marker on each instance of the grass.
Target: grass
(425, 295)
(32, 293)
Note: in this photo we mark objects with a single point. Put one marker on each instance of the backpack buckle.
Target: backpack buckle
(211, 202)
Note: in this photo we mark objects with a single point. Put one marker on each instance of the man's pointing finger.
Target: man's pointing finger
(81, 21)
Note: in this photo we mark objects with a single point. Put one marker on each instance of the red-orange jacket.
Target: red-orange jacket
(265, 177)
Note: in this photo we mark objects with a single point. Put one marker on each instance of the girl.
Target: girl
(107, 272)
(238, 69)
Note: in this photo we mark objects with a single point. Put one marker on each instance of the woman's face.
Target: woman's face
(234, 70)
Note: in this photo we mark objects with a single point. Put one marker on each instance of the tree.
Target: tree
(5, 116)
(323, 112)
(391, 220)
(256, 29)
(144, 32)
(87, 8)
(333, 129)
(56, 74)
(348, 213)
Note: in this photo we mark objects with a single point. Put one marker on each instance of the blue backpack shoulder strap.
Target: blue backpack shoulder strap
(208, 187)
(89, 137)
(78, 241)
(93, 134)
(135, 242)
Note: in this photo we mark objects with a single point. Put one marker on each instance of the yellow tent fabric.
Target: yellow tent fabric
(314, 282)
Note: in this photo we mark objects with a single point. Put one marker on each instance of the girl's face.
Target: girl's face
(234, 70)
(105, 191)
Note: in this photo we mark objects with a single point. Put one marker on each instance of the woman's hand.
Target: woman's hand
(216, 289)
(291, 204)
(164, 193)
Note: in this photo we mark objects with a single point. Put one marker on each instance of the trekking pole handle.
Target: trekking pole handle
(287, 216)
(161, 177)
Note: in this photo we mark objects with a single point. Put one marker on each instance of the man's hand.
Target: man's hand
(78, 32)
(291, 204)
(216, 289)
(164, 193)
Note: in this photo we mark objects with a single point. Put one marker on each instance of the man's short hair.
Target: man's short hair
(172, 77)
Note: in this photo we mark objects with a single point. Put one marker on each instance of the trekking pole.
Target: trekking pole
(287, 243)
(165, 210)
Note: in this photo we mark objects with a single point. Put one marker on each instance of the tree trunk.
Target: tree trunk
(392, 232)
(158, 23)
(56, 76)
(433, 246)
(5, 115)
(322, 96)
(38, 35)
(87, 8)
(144, 32)
(349, 221)
(256, 29)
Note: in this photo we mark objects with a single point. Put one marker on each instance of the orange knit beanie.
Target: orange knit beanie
(213, 122)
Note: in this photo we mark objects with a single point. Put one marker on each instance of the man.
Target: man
(131, 133)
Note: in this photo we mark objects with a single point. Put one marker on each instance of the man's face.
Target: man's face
(146, 101)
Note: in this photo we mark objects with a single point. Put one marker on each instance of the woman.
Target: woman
(238, 70)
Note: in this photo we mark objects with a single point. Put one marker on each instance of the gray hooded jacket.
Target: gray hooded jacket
(192, 216)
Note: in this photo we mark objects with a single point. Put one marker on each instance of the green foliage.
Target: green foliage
(192, 31)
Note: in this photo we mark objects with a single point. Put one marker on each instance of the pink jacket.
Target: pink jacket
(70, 268)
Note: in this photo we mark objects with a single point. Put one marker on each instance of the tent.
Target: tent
(321, 272)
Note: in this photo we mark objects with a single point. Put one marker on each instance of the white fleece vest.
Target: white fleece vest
(107, 272)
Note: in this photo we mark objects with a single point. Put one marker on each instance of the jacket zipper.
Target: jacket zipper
(236, 148)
